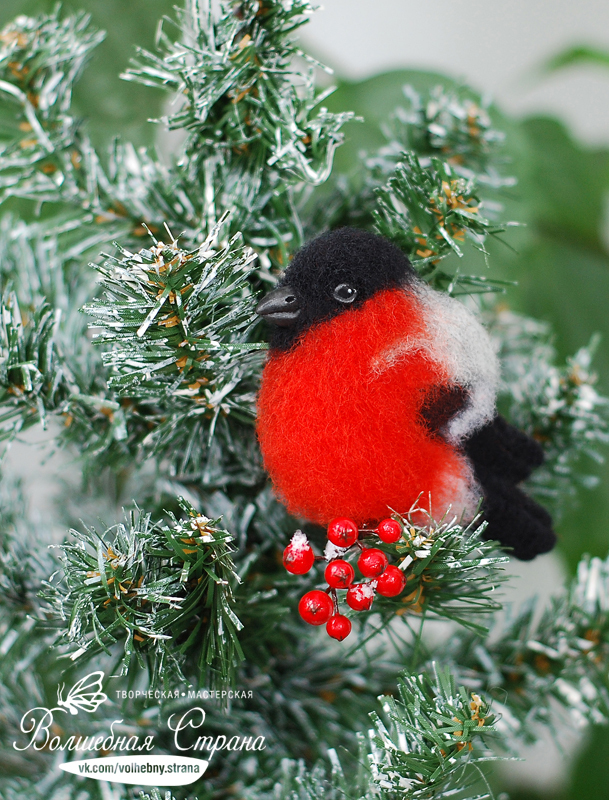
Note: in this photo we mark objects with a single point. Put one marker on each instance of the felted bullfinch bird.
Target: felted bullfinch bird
(378, 390)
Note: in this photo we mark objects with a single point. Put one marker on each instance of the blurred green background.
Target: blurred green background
(560, 257)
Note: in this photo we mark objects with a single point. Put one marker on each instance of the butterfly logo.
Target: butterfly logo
(85, 695)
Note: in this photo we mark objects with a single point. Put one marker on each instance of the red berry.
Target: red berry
(360, 596)
(372, 562)
(298, 557)
(389, 531)
(343, 532)
(338, 627)
(339, 574)
(316, 607)
(392, 582)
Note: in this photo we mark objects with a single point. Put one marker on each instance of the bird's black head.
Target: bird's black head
(334, 273)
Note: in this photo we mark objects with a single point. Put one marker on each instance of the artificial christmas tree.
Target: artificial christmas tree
(185, 608)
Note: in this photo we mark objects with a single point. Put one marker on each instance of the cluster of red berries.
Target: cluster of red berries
(321, 608)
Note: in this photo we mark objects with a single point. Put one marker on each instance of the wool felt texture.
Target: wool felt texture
(367, 262)
(366, 406)
(502, 456)
(341, 433)
(440, 405)
(457, 340)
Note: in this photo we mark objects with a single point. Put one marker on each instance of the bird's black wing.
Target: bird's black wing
(504, 450)
(502, 456)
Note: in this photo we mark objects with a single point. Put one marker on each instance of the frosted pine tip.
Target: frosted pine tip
(201, 524)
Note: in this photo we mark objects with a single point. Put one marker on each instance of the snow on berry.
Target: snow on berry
(298, 557)
(361, 595)
(332, 551)
(299, 541)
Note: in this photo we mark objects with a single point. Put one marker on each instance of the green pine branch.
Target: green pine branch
(40, 59)
(536, 668)
(174, 382)
(450, 125)
(451, 572)
(174, 325)
(163, 590)
(559, 405)
(431, 187)
(31, 379)
(137, 192)
(431, 732)
(428, 210)
(427, 743)
(257, 132)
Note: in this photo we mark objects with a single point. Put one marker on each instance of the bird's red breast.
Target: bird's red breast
(339, 423)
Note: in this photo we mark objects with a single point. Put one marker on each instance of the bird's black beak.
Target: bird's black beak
(281, 307)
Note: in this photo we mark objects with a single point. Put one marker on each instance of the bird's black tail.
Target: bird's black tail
(502, 456)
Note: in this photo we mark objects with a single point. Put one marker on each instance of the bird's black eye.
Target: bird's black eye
(344, 293)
